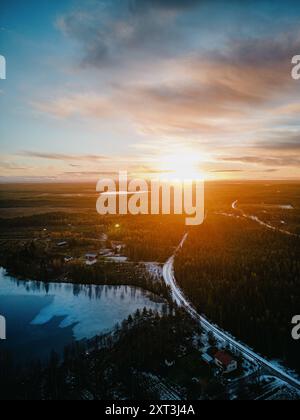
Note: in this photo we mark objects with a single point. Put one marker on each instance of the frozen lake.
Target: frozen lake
(41, 317)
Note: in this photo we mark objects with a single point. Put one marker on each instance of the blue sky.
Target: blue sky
(96, 86)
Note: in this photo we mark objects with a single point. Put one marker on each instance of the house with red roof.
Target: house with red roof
(226, 362)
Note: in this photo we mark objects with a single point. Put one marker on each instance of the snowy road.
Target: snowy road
(247, 353)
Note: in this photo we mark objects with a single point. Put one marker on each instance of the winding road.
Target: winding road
(247, 353)
(264, 224)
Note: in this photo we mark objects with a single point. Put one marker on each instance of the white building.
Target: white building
(207, 359)
(224, 361)
(91, 259)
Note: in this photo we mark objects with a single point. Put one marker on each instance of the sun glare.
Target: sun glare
(182, 166)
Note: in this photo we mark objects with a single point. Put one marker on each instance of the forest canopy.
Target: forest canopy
(246, 278)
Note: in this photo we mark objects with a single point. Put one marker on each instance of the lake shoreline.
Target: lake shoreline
(42, 317)
(145, 286)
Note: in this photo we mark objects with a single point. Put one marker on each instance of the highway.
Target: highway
(246, 352)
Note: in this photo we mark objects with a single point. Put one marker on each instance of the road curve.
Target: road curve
(181, 300)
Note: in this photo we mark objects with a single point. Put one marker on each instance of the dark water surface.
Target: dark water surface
(43, 317)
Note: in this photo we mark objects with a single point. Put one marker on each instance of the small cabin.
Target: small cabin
(62, 244)
(226, 362)
(207, 359)
(91, 259)
(117, 246)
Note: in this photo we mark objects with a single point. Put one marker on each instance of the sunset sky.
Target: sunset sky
(98, 86)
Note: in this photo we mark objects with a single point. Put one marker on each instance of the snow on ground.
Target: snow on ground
(248, 367)
(112, 256)
(278, 390)
(285, 394)
(118, 259)
(154, 269)
(245, 351)
(258, 220)
(280, 365)
(105, 252)
(284, 207)
(166, 391)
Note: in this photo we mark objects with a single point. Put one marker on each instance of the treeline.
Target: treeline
(149, 238)
(110, 273)
(110, 367)
(52, 219)
(29, 260)
(247, 279)
(32, 261)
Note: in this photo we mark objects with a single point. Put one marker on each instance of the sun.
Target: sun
(182, 166)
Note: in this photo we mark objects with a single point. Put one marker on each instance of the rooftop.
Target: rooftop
(224, 358)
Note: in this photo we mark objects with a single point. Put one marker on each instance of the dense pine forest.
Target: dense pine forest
(247, 279)
(31, 262)
(29, 248)
(126, 364)
(239, 274)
